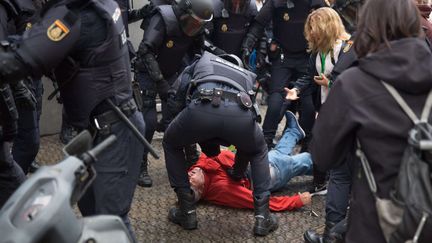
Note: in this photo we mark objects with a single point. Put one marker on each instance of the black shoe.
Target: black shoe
(67, 133)
(34, 166)
(270, 143)
(185, 214)
(144, 179)
(311, 236)
(265, 222)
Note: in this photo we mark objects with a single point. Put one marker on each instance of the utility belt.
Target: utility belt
(104, 121)
(216, 95)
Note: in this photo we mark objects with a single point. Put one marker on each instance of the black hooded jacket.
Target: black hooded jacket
(359, 106)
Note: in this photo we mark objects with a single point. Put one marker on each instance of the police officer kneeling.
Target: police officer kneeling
(213, 97)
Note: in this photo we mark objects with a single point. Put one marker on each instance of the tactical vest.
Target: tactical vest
(103, 72)
(219, 72)
(175, 44)
(228, 32)
(288, 25)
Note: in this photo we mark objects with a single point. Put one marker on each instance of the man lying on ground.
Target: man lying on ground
(210, 181)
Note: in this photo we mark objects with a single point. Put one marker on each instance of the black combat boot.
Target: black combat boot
(311, 236)
(144, 179)
(264, 221)
(185, 214)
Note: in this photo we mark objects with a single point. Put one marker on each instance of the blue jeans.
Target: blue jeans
(283, 165)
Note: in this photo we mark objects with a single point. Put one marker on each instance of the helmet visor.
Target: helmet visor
(192, 25)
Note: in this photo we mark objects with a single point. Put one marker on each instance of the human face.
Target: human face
(196, 178)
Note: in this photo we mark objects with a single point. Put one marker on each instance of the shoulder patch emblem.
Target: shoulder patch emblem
(57, 31)
(170, 44)
(348, 46)
(286, 17)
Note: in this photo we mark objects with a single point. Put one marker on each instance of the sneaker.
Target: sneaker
(318, 189)
(292, 122)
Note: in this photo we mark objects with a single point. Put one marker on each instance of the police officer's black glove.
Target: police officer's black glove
(24, 97)
(139, 65)
(138, 14)
(236, 176)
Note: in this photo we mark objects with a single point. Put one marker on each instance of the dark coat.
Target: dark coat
(359, 106)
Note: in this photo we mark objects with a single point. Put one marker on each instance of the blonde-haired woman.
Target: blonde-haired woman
(327, 39)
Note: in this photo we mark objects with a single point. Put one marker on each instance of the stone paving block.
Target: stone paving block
(215, 224)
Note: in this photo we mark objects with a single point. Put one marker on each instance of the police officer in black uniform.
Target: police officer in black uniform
(340, 179)
(215, 100)
(82, 45)
(27, 93)
(288, 55)
(173, 33)
(12, 15)
(230, 24)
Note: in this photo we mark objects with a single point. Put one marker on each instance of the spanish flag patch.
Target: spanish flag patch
(57, 31)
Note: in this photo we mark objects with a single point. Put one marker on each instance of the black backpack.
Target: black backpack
(407, 215)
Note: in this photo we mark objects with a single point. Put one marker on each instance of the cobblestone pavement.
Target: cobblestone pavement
(215, 224)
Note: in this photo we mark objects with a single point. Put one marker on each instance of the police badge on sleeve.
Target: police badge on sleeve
(57, 31)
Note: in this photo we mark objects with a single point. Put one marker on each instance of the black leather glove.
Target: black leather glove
(24, 97)
(234, 175)
(138, 65)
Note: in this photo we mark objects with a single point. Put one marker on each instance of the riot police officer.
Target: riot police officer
(174, 33)
(82, 43)
(27, 93)
(220, 110)
(11, 174)
(230, 24)
(289, 57)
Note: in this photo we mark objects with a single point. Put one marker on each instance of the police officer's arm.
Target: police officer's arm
(153, 38)
(135, 15)
(178, 92)
(44, 46)
(256, 29)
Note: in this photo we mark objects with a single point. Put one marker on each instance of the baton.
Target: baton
(133, 128)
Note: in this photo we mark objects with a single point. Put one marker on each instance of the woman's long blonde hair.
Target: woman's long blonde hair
(323, 28)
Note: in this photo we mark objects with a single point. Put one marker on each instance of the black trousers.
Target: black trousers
(210, 127)
(338, 191)
(11, 174)
(282, 73)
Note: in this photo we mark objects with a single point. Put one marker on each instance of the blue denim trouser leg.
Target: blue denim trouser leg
(284, 165)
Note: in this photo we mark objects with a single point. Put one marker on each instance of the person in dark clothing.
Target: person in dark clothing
(340, 178)
(288, 55)
(174, 32)
(92, 34)
(219, 111)
(360, 107)
(231, 21)
(27, 94)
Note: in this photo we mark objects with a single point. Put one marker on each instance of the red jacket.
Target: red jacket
(220, 189)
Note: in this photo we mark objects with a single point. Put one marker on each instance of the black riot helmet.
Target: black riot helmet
(348, 10)
(237, 6)
(193, 15)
